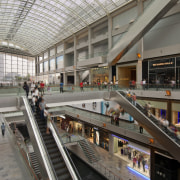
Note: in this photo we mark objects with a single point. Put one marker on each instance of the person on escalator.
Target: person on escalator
(49, 120)
(134, 99)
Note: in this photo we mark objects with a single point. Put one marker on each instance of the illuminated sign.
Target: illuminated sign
(162, 64)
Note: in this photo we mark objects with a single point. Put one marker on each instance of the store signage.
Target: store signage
(162, 64)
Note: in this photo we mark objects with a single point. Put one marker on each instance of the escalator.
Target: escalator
(57, 160)
(52, 153)
(151, 15)
(163, 135)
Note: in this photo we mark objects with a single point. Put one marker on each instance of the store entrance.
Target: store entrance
(138, 157)
(125, 75)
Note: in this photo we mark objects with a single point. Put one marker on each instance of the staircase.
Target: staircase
(34, 163)
(57, 160)
(88, 151)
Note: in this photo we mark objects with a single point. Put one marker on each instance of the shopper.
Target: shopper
(81, 86)
(42, 106)
(42, 87)
(3, 129)
(61, 87)
(32, 87)
(143, 163)
(33, 103)
(134, 99)
(49, 120)
(141, 129)
(26, 88)
(134, 161)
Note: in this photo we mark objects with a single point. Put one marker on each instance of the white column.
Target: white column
(110, 43)
(109, 32)
(140, 49)
(75, 61)
(89, 41)
(65, 78)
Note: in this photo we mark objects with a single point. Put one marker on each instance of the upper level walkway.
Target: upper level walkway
(12, 165)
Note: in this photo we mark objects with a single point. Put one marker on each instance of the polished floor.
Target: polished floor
(12, 166)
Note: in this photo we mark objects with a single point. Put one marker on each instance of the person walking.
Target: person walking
(3, 129)
(61, 87)
(26, 88)
(81, 86)
(42, 87)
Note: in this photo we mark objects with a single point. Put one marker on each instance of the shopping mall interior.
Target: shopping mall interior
(90, 89)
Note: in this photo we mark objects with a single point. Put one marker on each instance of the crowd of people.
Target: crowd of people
(38, 103)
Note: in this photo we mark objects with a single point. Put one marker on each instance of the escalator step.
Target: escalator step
(59, 165)
(61, 171)
(65, 177)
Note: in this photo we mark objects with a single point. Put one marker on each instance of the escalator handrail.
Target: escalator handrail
(170, 137)
(41, 145)
(65, 154)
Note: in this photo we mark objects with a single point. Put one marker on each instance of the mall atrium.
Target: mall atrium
(90, 89)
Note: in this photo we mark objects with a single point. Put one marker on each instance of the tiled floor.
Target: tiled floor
(12, 166)
(111, 166)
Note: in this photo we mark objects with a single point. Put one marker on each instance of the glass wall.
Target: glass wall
(46, 66)
(52, 65)
(16, 67)
(52, 52)
(45, 55)
(41, 68)
(59, 62)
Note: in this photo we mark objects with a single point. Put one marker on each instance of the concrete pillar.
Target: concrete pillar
(65, 78)
(138, 73)
(140, 49)
(75, 61)
(76, 78)
(89, 42)
(90, 76)
(110, 74)
(109, 32)
(111, 144)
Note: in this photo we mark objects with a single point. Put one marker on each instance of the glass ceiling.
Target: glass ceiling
(38, 24)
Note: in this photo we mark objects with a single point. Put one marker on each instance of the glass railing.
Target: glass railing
(104, 119)
(39, 139)
(55, 89)
(147, 113)
(65, 154)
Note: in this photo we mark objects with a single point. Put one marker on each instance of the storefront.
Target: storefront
(99, 74)
(162, 72)
(138, 157)
(126, 74)
(97, 136)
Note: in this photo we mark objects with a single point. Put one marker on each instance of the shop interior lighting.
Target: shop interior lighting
(141, 150)
(119, 137)
(136, 172)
